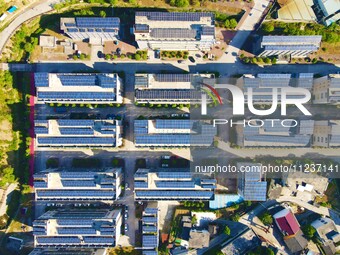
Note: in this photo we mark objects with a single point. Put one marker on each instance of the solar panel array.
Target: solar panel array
(173, 77)
(99, 240)
(77, 96)
(77, 175)
(150, 210)
(173, 124)
(149, 219)
(208, 30)
(58, 194)
(79, 183)
(57, 240)
(175, 184)
(41, 79)
(151, 252)
(174, 175)
(138, 184)
(142, 28)
(76, 231)
(255, 191)
(40, 184)
(150, 241)
(170, 95)
(76, 131)
(40, 130)
(71, 122)
(71, 222)
(291, 47)
(173, 195)
(301, 39)
(96, 22)
(181, 33)
(77, 80)
(175, 16)
(72, 141)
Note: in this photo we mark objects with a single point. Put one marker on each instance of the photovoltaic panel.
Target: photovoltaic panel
(173, 124)
(208, 30)
(175, 16)
(96, 22)
(173, 77)
(173, 33)
(175, 184)
(150, 210)
(140, 28)
(41, 79)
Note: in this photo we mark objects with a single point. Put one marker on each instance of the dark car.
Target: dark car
(100, 54)
(118, 51)
(192, 60)
(157, 54)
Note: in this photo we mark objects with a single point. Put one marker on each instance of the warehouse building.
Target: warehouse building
(172, 184)
(78, 228)
(80, 88)
(297, 46)
(252, 185)
(78, 133)
(173, 133)
(175, 30)
(262, 85)
(92, 28)
(81, 186)
(170, 88)
(269, 133)
(326, 89)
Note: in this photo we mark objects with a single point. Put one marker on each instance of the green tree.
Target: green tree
(194, 220)
(235, 217)
(181, 3)
(132, 2)
(113, 2)
(268, 27)
(226, 230)
(233, 23)
(267, 60)
(266, 219)
(107, 56)
(227, 23)
(137, 57)
(308, 230)
(102, 14)
(7, 176)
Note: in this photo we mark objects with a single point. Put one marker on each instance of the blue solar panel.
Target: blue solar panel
(76, 231)
(96, 22)
(174, 195)
(76, 131)
(70, 123)
(149, 229)
(77, 175)
(79, 183)
(71, 141)
(75, 95)
(149, 219)
(138, 184)
(40, 184)
(75, 193)
(151, 210)
(173, 124)
(41, 79)
(40, 130)
(174, 175)
(175, 184)
(77, 80)
(58, 240)
(99, 240)
(71, 222)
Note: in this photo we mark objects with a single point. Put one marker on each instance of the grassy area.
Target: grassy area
(123, 251)
(14, 142)
(331, 196)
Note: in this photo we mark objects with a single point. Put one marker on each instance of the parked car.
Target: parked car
(157, 54)
(126, 215)
(126, 227)
(192, 60)
(166, 157)
(119, 51)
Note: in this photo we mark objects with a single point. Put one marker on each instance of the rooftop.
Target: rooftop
(242, 244)
(199, 239)
(287, 222)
